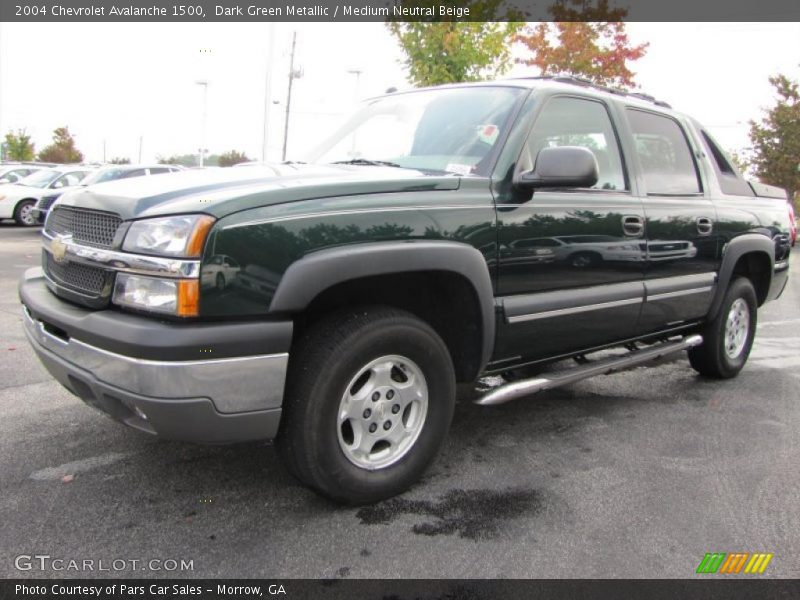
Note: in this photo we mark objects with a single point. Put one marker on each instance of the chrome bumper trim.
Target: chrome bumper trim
(234, 385)
(121, 261)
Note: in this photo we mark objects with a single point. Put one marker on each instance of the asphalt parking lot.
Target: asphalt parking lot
(632, 475)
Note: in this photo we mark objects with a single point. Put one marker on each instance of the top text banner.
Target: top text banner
(383, 10)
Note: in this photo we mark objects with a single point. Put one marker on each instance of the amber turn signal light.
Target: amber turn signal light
(188, 298)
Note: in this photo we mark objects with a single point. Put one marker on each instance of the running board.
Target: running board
(512, 391)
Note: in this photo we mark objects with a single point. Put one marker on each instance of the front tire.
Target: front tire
(23, 214)
(728, 338)
(370, 397)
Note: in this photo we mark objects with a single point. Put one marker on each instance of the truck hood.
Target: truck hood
(221, 192)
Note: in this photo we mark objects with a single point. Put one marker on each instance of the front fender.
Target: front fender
(306, 278)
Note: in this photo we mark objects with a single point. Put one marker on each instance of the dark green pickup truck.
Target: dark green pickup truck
(438, 236)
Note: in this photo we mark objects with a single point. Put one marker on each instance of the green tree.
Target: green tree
(233, 157)
(19, 146)
(118, 160)
(186, 160)
(454, 51)
(63, 149)
(587, 39)
(775, 158)
(740, 161)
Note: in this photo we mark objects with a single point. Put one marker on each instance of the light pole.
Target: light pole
(204, 83)
(2, 133)
(357, 73)
(293, 74)
(268, 89)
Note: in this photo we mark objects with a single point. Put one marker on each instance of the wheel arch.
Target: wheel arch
(21, 200)
(367, 272)
(751, 256)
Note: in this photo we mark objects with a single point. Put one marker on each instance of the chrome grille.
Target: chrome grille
(90, 227)
(77, 277)
(46, 202)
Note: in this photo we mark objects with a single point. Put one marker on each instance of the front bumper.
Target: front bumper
(120, 364)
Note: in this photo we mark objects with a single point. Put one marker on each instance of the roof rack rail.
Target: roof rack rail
(583, 82)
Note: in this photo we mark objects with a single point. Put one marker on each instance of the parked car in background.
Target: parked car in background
(219, 272)
(15, 172)
(107, 173)
(18, 200)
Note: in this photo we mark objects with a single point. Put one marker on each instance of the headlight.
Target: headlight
(169, 236)
(177, 297)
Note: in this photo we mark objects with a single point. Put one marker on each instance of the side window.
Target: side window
(133, 173)
(730, 181)
(566, 121)
(667, 162)
(158, 170)
(62, 181)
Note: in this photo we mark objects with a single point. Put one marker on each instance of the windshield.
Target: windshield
(452, 130)
(40, 179)
(103, 175)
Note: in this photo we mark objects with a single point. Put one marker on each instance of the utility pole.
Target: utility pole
(289, 96)
(104, 151)
(140, 149)
(2, 131)
(268, 90)
(204, 83)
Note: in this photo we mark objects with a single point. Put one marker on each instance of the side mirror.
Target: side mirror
(562, 166)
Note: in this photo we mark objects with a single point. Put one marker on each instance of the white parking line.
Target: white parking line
(78, 466)
(774, 323)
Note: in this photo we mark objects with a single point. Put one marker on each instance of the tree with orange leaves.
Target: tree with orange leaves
(587, 39)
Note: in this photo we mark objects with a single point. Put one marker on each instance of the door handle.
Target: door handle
(632, 225)
(704, 225)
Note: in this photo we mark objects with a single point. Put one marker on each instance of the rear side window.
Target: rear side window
(667, 161)
(730, 182)
(159, 170)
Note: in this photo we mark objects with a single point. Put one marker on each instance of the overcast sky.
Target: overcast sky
(117, 82)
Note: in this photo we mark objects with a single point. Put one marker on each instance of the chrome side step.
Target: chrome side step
(606, 366)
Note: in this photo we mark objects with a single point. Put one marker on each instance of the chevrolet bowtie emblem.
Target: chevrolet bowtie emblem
(58, 247)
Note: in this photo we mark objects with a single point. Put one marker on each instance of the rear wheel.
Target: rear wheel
(584, 260)
(23, 213)
(728, 338)
(369, 402)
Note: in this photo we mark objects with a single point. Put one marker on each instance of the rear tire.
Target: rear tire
(23, 215)
(370, 397)
(585, 260)
(728, 338)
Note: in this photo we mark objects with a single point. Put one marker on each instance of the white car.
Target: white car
(219, 272)
(13, 173)
(17, 200)
(107, 173)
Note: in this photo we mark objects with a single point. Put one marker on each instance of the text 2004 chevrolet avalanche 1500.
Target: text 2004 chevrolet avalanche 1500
(438, 236)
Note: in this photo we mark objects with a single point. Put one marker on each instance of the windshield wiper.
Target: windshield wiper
(368, 163)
